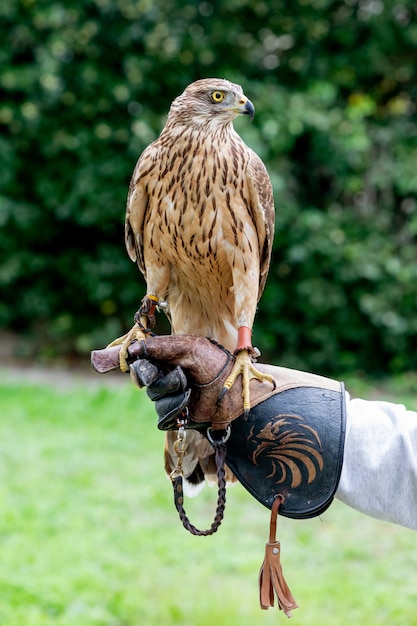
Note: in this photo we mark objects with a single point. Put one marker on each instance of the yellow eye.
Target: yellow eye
(217, 96)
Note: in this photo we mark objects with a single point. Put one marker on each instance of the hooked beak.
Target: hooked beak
(247, 108)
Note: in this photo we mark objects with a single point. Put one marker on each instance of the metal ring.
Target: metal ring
(217, 441)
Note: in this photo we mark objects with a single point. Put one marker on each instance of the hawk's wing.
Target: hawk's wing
(137, 204)
(262, 212)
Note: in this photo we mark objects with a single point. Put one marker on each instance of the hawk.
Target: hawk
(199, 224)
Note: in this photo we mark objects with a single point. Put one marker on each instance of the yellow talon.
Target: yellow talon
(136, 333)
(243, 365)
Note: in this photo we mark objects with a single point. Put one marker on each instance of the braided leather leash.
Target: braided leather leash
(177, 483)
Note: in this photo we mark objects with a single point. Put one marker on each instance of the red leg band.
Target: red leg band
(244, 338)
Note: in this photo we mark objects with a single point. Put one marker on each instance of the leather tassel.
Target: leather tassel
(271, 578)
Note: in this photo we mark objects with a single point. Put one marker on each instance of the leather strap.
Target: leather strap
(220, 456)
(271, 577)
(274, 518)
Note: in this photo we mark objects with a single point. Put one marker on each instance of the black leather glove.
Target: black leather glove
(169, 391)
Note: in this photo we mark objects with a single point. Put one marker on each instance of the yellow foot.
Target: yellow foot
(134, 334)
(144, 319)
(243, 365)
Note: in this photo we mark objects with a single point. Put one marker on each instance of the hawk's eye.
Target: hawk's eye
(217, 96)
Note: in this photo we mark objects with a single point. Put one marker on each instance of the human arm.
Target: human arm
(379, 471)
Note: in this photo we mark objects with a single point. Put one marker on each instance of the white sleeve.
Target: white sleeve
(379, 473)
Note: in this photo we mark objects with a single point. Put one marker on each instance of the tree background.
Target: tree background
(85, 85)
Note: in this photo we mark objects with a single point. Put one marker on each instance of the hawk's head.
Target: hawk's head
(210, 100)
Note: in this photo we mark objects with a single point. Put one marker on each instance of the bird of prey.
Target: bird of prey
(199, 224)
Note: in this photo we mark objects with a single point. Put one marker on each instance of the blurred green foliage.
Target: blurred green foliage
(85, 85)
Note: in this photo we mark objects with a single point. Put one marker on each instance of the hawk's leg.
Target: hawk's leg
(144, 321)
(244, 366)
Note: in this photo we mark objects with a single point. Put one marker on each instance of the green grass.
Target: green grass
(89, 535)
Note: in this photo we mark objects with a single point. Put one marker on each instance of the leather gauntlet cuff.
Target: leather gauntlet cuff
(291, 444)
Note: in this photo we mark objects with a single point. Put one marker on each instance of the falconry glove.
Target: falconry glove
(287, 451)
(290, 443)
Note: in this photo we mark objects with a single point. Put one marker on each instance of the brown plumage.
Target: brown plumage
(200, 219)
